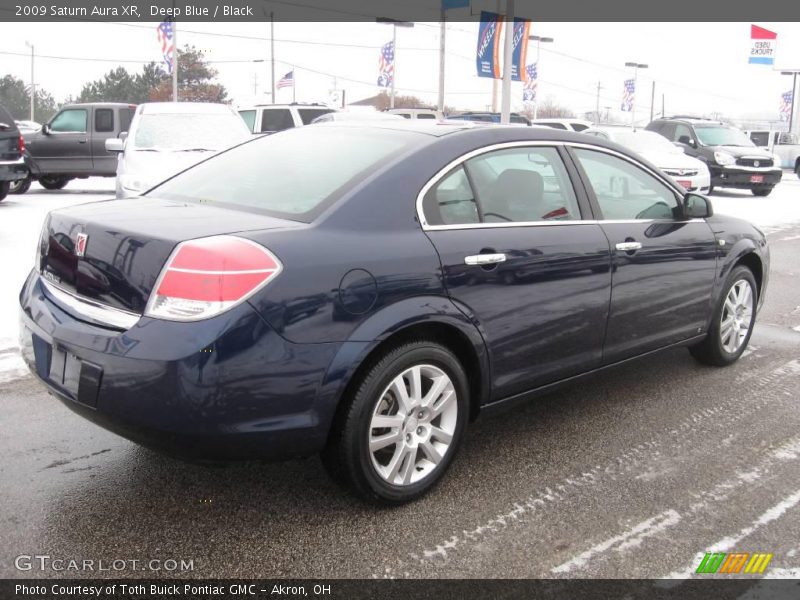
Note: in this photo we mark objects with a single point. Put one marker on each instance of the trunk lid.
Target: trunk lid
(127, 243)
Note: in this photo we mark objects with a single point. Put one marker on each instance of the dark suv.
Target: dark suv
(12, 165)
(732, 158)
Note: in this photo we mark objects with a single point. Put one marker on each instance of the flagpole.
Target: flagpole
(394, 62)
(174, 61)
(294, 84)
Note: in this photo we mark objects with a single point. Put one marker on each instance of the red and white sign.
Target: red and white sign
(762, 45)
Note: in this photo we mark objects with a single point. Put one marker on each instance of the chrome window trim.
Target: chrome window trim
(534, 143)
(96, 311)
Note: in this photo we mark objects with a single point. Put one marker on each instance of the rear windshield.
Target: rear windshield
(294, 174)
(190, 131)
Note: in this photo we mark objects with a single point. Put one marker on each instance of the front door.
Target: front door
(663, 264)
(65, 149)
(519, 259)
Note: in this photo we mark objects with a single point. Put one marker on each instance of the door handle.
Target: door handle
(484, 259)
(83, 141)
(629, 246)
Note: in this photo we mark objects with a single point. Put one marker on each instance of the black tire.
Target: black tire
(55, 182)
(4, 185)
(710, 190)
(765, 191)
(347, 456)
(20, 186)
(797, 169)
(711, 350)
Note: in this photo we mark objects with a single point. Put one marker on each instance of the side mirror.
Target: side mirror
(696, 206)
(114, 145)
(46, 129)
(687, 141)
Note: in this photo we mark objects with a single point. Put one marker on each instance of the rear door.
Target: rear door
(663, 264)
(521, 255)
(66, 148)
(104, 126)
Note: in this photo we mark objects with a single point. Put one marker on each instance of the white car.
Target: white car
(417, 113)
(270, 118)
(168, 137)
(357, 115)
(563, 124)
(690, 173)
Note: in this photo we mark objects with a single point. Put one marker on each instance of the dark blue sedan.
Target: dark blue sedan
(364, 291)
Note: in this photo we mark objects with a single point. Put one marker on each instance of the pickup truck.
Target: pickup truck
(72, 144)
(781, 143)
(12, 145)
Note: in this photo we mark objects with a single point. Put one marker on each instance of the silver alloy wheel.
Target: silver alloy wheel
(737, 313)
(413, 425)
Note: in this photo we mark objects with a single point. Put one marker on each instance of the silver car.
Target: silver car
(168, 137)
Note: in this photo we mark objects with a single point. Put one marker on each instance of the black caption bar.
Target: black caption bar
(401, 10)
(386, 589)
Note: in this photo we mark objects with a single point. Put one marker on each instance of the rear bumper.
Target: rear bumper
(13, 170)
(224, 388)
(742, 177)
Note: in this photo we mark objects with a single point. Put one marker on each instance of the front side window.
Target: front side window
(682, 134)
(72, 120)
(624, 191)
(249, 117)
(516, 185)
(719, 135)
(309, 114)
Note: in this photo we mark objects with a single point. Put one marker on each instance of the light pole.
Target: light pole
(395, 24)
(794, 87)
(636, 66)
(539, 41)
(33, 85)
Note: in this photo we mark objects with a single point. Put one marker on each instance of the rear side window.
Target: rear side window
(517, 185)
(249, 117)
(125, 118)
(554, 125)
(425, 116)
(309, 114)
(104, 120)
(404, 115)
(72, 120)
(579, 126)
(760, 138)
(293, 175)
(276, 119)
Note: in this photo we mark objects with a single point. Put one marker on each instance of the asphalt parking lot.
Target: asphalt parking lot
(633, 473)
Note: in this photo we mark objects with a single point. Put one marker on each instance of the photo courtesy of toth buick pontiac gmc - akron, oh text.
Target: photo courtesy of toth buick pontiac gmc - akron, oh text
(365, 291)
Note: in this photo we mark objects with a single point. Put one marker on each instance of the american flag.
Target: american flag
(529, 89)
(287, 80)
(628, 94)
(786, 105)
(165, 35)
(386, 66)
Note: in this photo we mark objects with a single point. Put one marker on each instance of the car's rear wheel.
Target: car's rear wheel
(765, 191)
(4, 185)
(402, 426)
(53, 182)
(732, 322)
(20, 186)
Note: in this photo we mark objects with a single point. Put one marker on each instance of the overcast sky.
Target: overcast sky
(699, 67)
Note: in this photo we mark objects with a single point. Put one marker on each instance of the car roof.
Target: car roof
(289, 105)
(172, 108)
(100, 104)
(693, 120)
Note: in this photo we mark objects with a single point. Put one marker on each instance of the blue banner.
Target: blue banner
(520, 49)
(488, 52)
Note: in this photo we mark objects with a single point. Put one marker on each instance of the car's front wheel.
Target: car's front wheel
(732, 322)
(4, 185)
(402, 426)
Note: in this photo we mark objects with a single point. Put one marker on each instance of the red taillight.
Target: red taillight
(208, 276)
(21, 144)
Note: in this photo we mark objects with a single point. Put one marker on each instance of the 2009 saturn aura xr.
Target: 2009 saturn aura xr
(364, 291)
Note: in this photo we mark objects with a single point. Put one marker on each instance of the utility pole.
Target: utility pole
(442, 32)
(33, 84)
(508, 49)
(272, 54)
(539, 40)
(597, 104)
(794, 87)
(652, 100)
